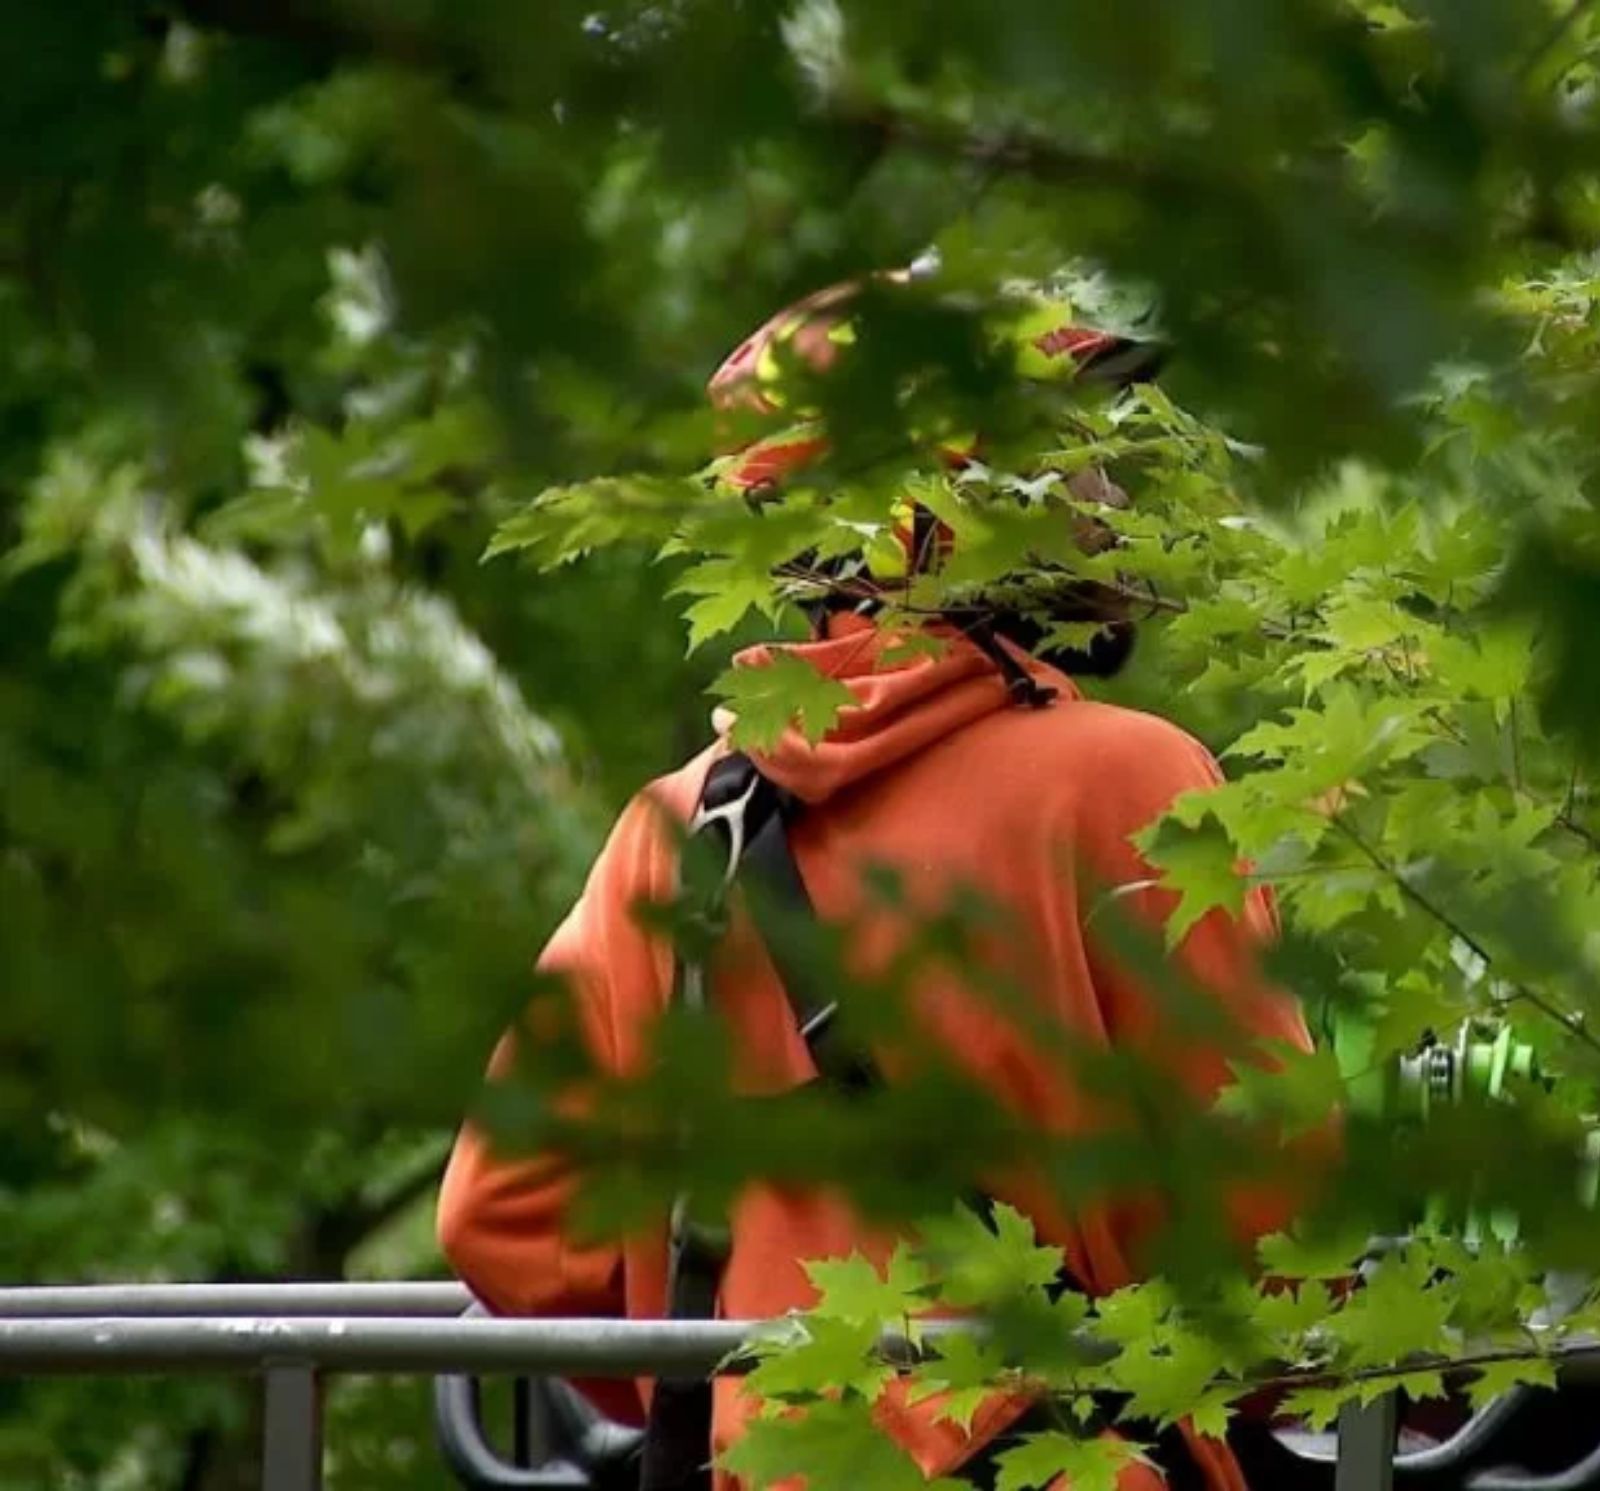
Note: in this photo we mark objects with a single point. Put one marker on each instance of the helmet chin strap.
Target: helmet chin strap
(1025, 690)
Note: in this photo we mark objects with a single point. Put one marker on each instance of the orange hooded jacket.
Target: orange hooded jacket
(934, 772)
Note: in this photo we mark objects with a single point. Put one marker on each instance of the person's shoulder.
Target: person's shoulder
(1095, 728)
(639, 853)
(1096, 762)
(667, 802)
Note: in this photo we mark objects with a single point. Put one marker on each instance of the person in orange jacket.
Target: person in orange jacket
(1050, 797)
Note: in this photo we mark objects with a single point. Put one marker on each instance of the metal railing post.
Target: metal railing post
(1367, 1434)
(522, 1423)
(291, 1428)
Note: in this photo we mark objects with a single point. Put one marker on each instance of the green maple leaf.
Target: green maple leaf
(959, 1406)
(1318, 1406)
(1495, 1379)
(1492, 1286)
(1046, 1334)
(1362, 625)
(1083, 1464)
(1495, 665)
(1315, 669)
(769, 697)
(962, 1406)
(1349, 734)
(1294, 1257)
(1417, 1003)
(1134, 1312)
(565, 522)
(1323, 902)
(1213, 1410)
(1415, 1385)
(1219, 616)
(1068, 1311)
(825, 1355)
(1016, 1239)
(967, 1367)
(1083, 1408)
(1201, 865)
(964, 1360)
(831, 1444)
(1393, 1317)
(977, 1266)
(1257, 814)
(1286, 1313)
(726, 591)
(852, 1289)
(1165, 1379)
(1299, 1091)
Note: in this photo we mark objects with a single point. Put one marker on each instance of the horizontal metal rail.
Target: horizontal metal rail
(79, 1301)
(387, 1327)
(188, 1344)
(602, 1347)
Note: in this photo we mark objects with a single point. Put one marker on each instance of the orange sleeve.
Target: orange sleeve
(1209, 1005)
(501, 1218)
(500, 1215)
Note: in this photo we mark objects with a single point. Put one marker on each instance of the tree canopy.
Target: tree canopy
(355, 519)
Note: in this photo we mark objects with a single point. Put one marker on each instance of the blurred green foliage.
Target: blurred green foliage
(301, 302)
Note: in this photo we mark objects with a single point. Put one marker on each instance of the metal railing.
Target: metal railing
(293, 1335)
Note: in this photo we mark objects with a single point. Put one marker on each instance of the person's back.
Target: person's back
(936, 775)
(960, 767)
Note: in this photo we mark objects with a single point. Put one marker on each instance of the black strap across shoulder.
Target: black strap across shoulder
(754, 815)
(750, 815)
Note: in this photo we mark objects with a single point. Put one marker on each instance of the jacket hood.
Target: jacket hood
(904, 702)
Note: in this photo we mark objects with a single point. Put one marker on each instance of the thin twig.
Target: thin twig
(1015, 152)
(1563, 819)
(1572, 826)
(1448, 1366)
(1432, 1363)
(1421, 900)
(859, 589)
(1514, 722)
(1570, 1021)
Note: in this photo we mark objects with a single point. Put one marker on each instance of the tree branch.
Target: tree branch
(1015, 151)
(386, 1208)
(1447, 1365)
(325, 33)
(340, 1229)
(1570, 1021)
